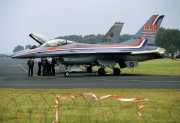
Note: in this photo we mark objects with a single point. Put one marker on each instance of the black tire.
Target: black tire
(116, 71)
(89, 69)
(66, 74)
(101, 71)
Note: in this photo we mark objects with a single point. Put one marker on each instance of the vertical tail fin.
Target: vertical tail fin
(149, 29)
(112, 35)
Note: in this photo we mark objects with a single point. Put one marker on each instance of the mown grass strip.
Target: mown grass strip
(36, 105)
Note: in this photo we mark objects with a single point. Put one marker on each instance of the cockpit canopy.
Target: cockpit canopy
(56, 42)
(39, 38)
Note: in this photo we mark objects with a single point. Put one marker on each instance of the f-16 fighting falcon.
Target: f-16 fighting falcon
(105, 54)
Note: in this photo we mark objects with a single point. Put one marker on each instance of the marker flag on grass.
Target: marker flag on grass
(120, 98)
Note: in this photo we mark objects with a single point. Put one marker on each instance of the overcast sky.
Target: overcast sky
(53, 18)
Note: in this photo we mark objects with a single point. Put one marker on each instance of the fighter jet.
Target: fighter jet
(105, 54)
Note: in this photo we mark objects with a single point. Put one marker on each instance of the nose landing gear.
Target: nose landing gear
(66, 74)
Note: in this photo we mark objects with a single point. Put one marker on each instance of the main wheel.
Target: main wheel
(101, 71)
(66, 74)
(89, 69)
(116, 71)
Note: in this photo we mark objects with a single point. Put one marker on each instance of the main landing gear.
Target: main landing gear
(116, 71)
(101, 71)
(89, 69)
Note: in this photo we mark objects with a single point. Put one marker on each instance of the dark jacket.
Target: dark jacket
(53, 61)
(44, 62)
(30, 62)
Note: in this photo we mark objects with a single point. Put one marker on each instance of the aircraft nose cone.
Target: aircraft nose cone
(19, 54)
(13, 55)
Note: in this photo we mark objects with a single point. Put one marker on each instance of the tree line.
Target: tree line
(166, 38)
(169, 39)
(19, 48)
(3, 55)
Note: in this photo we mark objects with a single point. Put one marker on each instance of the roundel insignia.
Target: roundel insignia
(111, 34)
(131, 64)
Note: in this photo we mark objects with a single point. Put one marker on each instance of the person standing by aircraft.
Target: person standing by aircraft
(44, 64)
(39, 66)
(49, 59)
(30, 63)
(53, 65)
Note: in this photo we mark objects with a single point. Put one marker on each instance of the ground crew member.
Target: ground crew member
(44, 64)
(49, 60)
(53, 65)
(39, 66)
(30, 63)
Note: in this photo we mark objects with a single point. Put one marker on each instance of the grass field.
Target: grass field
(37, 105)
(157, 67)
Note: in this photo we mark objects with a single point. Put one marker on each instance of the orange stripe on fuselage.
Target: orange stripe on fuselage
(140, 41)
(53, 48)
(154, 19)
(130, 45)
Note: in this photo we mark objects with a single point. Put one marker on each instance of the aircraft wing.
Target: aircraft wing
(76, 52)
(103, 52)
(99, 52)
(158, 50)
